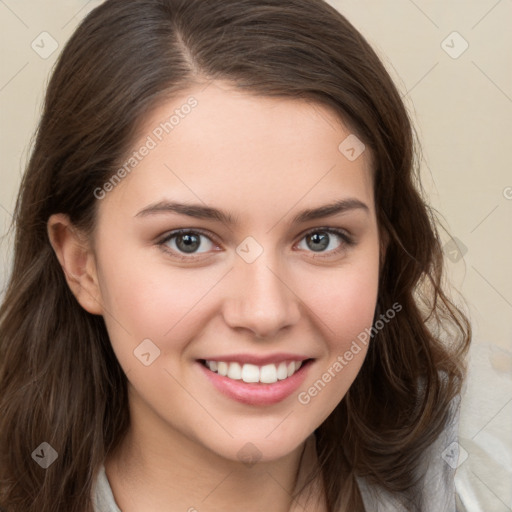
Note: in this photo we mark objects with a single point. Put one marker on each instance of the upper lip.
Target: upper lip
(256, 359)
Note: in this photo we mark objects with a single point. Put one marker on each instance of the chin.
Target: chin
(253, 447)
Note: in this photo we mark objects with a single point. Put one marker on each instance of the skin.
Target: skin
(264, 160)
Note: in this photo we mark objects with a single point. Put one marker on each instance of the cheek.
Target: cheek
(343, 302)
(147, 299)
(351, 309)
(342, 299)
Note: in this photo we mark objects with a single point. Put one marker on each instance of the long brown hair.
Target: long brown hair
(60, 381)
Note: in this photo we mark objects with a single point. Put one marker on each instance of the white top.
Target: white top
(102, 494)
(437, 470)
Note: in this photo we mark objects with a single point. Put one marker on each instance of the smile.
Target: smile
(253, 384)
(251, 373)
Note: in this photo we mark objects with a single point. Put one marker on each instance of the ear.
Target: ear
(76, 258)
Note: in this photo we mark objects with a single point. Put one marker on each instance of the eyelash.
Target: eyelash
(347, 241)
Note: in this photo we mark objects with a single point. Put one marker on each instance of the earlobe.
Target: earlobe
(77, 261)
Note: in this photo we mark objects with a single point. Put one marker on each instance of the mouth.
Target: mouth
(253, 384)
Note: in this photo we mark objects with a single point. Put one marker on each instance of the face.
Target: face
(247, 276)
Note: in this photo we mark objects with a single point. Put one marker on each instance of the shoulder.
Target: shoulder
(435, 491)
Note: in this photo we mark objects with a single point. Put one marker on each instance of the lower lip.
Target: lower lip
(257, 393)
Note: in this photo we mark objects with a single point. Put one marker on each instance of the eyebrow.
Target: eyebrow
(199, 211)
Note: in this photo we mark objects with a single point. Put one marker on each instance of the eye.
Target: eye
(185, 242)
(323, 240)
(188, 244)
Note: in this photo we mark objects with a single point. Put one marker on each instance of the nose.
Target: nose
(262, 301)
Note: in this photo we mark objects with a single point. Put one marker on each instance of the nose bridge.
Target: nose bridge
(262, 300)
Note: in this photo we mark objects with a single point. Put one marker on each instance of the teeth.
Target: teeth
(282, 371)
(222, 368)
(267, 374)
(234, 371)
(250, 373)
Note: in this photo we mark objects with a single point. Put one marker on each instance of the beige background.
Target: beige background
(462, 108)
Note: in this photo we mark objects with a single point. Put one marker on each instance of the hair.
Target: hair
(60, 381)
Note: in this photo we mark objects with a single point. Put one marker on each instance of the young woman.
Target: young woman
(227, 286)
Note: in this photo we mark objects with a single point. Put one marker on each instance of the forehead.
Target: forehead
(223, 146)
